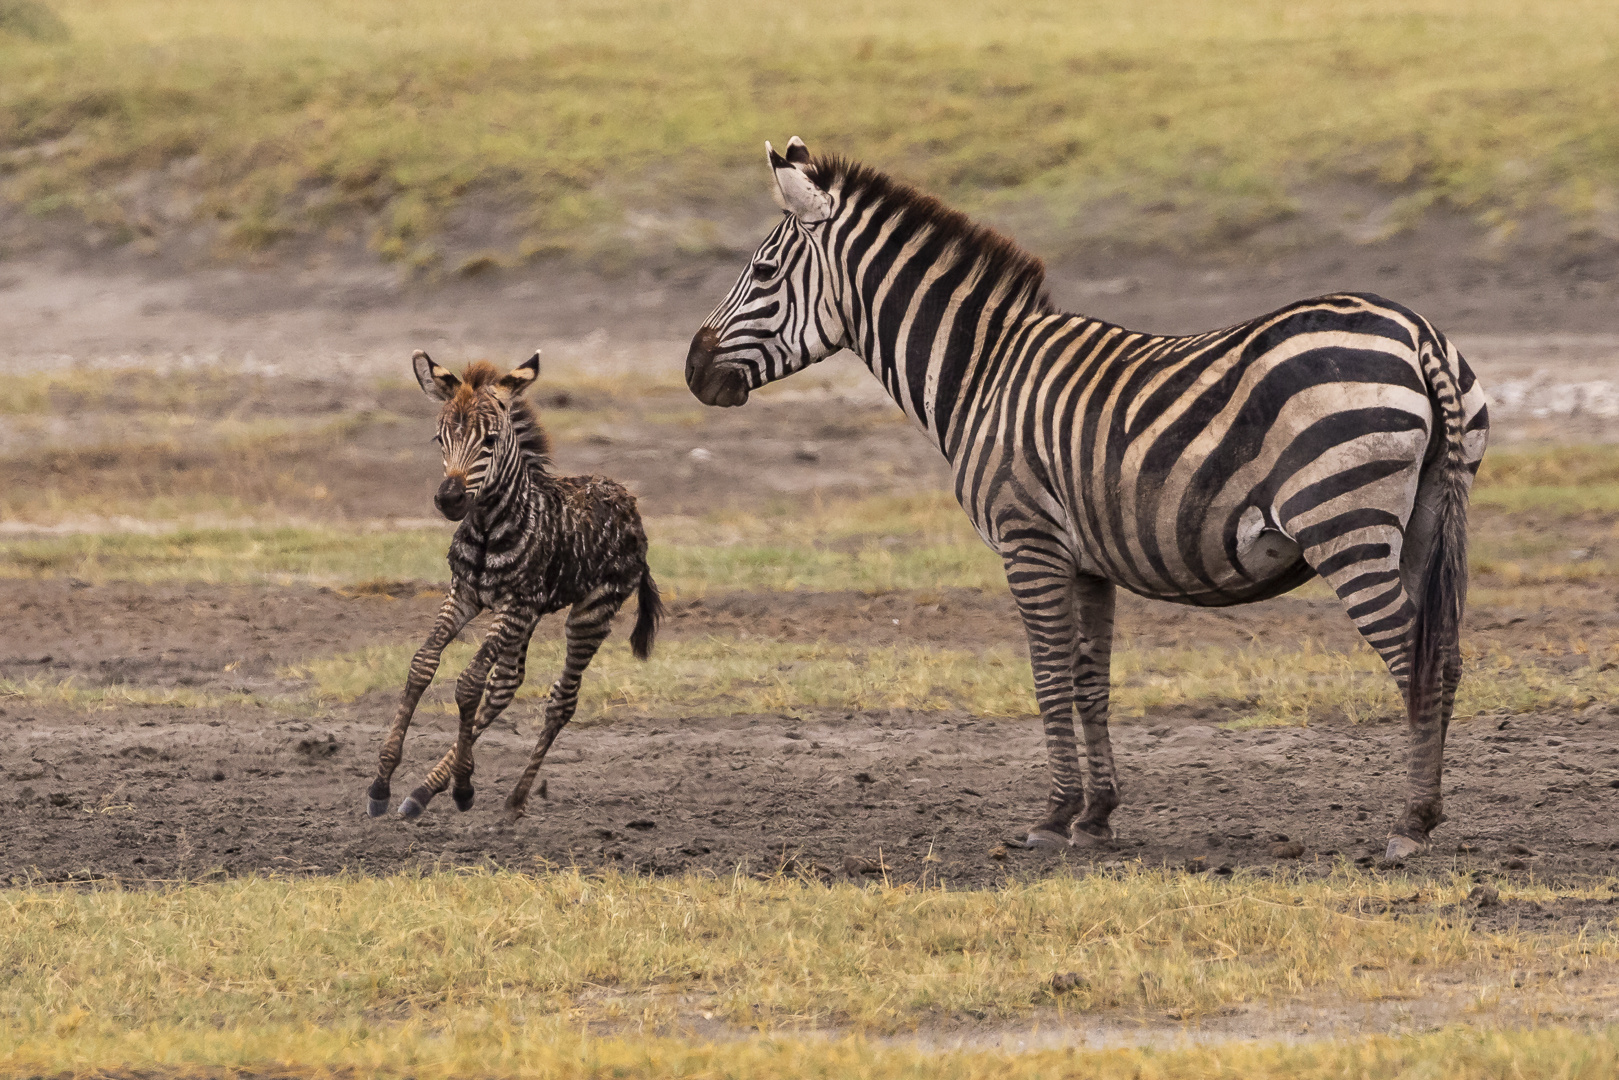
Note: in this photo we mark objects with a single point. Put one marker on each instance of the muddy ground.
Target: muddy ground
(155, 792)
(158, 793)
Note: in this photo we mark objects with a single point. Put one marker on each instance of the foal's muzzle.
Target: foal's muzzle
(713, 383)
(452, 499)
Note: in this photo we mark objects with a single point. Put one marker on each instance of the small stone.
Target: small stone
(1467, 849)
(1514, 864)
(641, 823)
(998, 852)
(1287, 849)
(1483, 896)
(854, 866)
(863, 778)
(1518, 849)
(807, 452)
(701, 455)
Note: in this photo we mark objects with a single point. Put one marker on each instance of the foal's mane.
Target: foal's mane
(531, 438)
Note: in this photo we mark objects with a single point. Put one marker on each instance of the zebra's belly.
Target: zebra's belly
(1268, 563)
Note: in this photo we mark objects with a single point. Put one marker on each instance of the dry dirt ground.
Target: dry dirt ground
(159, 792)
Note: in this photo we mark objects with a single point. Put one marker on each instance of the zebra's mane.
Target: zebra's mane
(532, 441)
(999, 255)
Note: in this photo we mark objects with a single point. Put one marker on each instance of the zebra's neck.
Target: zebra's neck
(934, 317)
(505, 499)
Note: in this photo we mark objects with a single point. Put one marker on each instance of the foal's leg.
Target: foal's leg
(1042, 581)
(458, 609)
(469, 691)
(588, 624)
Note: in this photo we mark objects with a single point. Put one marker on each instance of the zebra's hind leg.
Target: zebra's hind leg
(458, 609)
(469, 690)
(588, 624)
(1042, 583)
(1363, 567)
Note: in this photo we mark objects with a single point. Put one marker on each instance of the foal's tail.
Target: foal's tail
(1436, 631)
(647, 619)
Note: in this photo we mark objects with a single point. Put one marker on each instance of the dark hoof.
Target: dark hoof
(377, 798)
(463, 799)
(1098, 837)
(1401, 848)
(415, 803)
(1045, 840)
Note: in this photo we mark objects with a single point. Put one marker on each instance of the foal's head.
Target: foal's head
(486, 430)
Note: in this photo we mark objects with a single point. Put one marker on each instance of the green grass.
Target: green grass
(1261, 686)
(618, 128)
(1559, 481)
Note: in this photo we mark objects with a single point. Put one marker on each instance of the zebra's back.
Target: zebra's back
(1193, 469)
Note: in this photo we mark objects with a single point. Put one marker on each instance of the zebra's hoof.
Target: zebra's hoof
(1091, 837)
(463, 799)
(1045, 840)
(412, 807)
(1402, 848)
(376, 807)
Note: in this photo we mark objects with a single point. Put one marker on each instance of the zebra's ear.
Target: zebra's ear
(795, 192)
(437, 382)
(520, 378)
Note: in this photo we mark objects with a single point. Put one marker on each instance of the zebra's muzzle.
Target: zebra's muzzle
(452, 499)
(713, 383)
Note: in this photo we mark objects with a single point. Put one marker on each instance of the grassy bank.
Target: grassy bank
(613, 129)
(422, 960)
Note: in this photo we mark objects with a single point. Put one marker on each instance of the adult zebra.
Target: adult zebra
(1337, 436)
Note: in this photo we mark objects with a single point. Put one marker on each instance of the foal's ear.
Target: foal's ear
(520, 378)
(437, 382)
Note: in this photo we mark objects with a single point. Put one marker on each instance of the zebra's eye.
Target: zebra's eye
(490, 440)
(763, 271)
(439, 439)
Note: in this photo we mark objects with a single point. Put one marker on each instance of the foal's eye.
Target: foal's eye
(763, 271)
(439, 439)
(490, 440)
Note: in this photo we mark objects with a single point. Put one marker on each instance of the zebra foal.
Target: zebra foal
(1336, 437)
(529, 544)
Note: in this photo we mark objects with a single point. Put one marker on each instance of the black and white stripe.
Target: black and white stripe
(529, 544)
(1336, 437)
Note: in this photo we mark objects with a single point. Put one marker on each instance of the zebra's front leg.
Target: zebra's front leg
(469, 691)
(1092, 673)
(458, 610)
(588, 624)
(1042, 583)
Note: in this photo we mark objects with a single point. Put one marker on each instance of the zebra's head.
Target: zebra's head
(782, 315)
(485, 430)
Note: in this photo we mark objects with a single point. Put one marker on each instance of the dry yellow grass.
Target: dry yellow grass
(414, 957)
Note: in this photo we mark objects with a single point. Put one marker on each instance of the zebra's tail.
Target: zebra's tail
(647, 619)
(1436, 631)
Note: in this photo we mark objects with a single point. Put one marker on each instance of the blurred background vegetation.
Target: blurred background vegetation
(608, 128)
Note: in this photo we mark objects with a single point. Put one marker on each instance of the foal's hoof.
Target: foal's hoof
(1046, 840)
(376, 798)
(1401, 848)
(463, 799)
(376, 807)
(415, 803)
